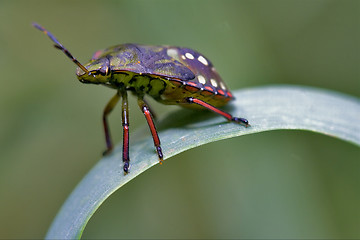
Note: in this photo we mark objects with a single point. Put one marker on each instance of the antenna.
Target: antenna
(59, 46)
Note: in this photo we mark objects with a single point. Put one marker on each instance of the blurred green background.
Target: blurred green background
(279, 184)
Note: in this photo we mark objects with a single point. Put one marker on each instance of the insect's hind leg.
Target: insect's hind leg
(148, 115)
(108, 108)
(226, 115)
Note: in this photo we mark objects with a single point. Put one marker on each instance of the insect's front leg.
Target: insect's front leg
(148, 115)
(108, 108)
(226, 115)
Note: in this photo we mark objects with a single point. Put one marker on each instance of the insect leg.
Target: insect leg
(148, 115)
(125, 123)
(226, 115)
(150, 109)
(108, 108)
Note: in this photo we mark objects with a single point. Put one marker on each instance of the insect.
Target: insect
(170, 75)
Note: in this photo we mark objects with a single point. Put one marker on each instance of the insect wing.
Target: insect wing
(207, 77)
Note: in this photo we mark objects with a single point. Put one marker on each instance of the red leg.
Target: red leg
(150, 109)
(146, 110)
(125, 123)
(226, 115)
(109, 107)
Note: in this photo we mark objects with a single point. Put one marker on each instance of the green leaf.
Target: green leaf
(266, 108)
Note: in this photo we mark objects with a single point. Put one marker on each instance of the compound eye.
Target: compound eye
(104, 70)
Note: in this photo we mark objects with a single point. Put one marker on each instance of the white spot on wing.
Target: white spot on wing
(213, 82)
(203, 60)
(183, 57)
(172, 52)
(222, 85)
(201, 79)
(189, 56)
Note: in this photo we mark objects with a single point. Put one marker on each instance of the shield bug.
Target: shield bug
(170, 75)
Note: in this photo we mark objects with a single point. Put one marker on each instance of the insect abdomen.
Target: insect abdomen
(176, 91)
